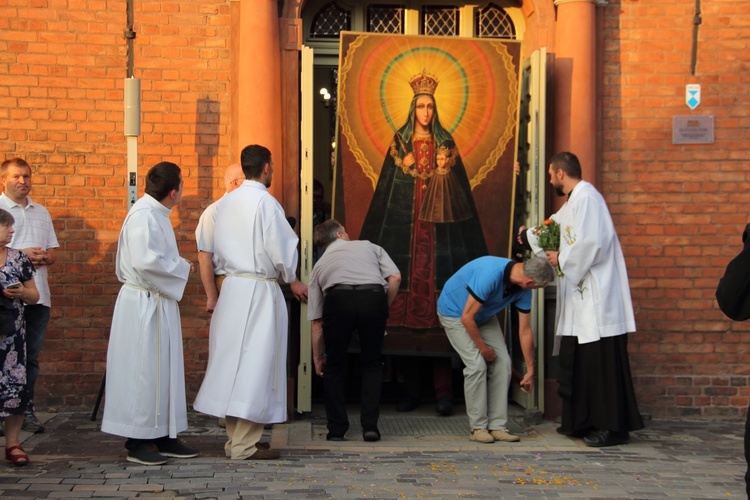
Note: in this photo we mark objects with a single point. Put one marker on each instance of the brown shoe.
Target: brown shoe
(504, 435)
(481, 436)
(258, 445)
(262, 454)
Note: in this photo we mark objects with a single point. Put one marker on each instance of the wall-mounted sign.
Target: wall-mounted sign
(692, 95)
(693, 129)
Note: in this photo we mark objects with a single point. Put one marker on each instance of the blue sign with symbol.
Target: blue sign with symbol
(692, 95)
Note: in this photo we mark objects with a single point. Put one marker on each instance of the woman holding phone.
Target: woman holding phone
(18, 289)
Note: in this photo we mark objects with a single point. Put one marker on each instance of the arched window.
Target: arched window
(329, 21)
(493, 22)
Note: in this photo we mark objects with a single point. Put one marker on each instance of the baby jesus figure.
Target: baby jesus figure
(443, 200)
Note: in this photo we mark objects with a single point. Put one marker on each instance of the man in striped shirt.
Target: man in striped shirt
(35, 236)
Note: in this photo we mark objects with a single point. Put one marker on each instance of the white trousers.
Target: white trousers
(485, 385)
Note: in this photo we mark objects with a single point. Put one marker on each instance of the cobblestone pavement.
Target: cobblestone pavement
(420, 456)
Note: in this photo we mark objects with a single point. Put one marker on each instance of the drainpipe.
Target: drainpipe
(132, 98)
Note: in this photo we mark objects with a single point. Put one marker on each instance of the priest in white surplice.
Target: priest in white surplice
(594, 313)
(145, 391)
(246, 375)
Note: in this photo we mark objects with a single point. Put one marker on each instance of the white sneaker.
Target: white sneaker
(32, 424)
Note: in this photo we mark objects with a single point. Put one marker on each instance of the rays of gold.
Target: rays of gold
(476, 96)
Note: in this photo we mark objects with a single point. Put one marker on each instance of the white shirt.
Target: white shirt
(204, 233)
(33, 226)
(344, 262)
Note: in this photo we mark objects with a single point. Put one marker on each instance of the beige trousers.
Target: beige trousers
(242, 436)
(485, 384)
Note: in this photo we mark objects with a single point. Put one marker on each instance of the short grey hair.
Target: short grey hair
(326, 232)
(540, 270)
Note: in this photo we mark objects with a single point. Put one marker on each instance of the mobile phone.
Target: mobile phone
(14, 285)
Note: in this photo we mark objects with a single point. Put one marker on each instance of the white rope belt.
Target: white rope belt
(252, 277)
(158, 296)
(276, 323)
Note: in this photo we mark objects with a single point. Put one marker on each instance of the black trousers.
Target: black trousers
(344, 312)
(132, 444)
(596, 386)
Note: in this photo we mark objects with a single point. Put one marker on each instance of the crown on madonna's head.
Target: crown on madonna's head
(423, 83)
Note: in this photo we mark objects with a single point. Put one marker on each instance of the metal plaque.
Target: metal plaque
(693, 129)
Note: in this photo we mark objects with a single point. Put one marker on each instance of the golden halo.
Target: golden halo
(476, 97)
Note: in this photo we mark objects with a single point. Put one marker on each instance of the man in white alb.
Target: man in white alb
(246, 375)
(145, 393)
(594, 313)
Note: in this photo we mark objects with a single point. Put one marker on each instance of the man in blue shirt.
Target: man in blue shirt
(467, 309)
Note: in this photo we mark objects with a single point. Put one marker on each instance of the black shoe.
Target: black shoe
(174, 448)
(572, 434)
(603, 437)
(147, 454)
(371, 435)
(444, 407)
(334, 437)
(409, 403)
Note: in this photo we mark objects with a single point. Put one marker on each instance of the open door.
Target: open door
(305, 368)
(529, 207)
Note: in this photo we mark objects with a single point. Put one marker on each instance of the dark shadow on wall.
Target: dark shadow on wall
(210, 186)
(84, 289)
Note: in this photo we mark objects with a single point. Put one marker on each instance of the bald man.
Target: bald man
(211, 271)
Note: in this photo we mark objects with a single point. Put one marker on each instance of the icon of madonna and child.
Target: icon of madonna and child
(422, 211)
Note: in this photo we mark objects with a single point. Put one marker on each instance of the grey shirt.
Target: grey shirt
(347, 263)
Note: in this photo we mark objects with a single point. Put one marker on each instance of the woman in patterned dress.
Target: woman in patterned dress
(18, 288)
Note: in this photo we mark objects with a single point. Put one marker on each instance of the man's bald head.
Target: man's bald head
(233, 177)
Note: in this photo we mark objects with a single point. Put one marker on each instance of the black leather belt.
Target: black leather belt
(356, 287)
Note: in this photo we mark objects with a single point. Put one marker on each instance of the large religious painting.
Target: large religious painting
(426, 147)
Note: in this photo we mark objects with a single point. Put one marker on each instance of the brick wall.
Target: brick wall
(679, 209)
(62, 65)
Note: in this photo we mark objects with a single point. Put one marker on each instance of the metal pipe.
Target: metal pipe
(129, 35)
(696, 22)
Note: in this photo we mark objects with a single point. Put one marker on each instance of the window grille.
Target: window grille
(493, 22)
(330, 20)
(385, 19)
(440, 20)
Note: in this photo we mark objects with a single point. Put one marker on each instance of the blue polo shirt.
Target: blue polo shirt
(487, 279)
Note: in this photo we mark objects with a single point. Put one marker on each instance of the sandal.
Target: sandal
(19, 459)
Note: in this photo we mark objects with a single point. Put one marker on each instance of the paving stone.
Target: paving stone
(674, 459)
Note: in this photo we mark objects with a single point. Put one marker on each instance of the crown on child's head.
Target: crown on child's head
(423, 83)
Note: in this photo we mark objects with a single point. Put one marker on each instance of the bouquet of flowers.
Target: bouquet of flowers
(548, 237)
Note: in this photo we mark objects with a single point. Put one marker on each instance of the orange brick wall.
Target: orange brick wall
(679, 209)
(62, 65)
